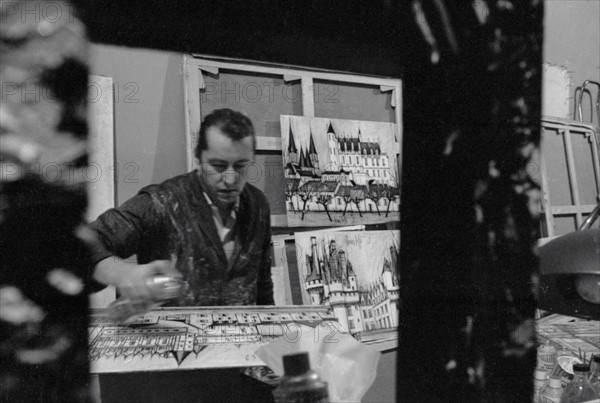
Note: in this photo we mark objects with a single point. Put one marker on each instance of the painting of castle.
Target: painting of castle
(354, 272)
(340, 172)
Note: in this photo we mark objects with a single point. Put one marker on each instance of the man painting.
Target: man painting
(208, 226)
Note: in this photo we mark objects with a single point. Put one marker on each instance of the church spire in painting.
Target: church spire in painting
(312, 155)
(292, 150)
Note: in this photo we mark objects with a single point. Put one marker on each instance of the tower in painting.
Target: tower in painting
(313, 282)
(292, 150)
(313, 156)
(334, 148)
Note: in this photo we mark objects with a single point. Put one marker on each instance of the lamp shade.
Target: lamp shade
(564, 260)
(575, 252)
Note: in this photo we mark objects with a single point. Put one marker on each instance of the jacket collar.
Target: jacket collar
(205, 213)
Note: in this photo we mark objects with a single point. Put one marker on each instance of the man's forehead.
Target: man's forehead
(221, 145)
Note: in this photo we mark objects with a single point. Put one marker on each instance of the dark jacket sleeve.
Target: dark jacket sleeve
(122, 230)
(264, 295)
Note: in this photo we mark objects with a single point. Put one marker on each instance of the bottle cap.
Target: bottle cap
(581, 367)
(296, 364)
(555, 382)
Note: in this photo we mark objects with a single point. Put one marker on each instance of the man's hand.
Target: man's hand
(131, 279)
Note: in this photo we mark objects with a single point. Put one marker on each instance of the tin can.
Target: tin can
(163, 288)
(299, 384)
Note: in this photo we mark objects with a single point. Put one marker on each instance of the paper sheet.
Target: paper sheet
(348, 367)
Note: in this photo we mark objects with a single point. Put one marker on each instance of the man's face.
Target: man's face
(222, 166)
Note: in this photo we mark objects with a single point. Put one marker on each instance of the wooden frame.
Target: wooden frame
(195, 65)
(101, 189)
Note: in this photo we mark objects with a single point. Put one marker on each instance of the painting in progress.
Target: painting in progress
(193, 338)
(353, 273)
(340, 172)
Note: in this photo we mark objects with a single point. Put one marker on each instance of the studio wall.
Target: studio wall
(149, 115)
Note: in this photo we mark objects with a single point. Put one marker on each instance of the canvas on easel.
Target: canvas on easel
(340, 172)
(355, 273)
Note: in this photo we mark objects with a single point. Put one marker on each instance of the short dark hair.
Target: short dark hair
(233, 124)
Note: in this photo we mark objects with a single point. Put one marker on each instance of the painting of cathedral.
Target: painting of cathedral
(354, 272)
(340, 172)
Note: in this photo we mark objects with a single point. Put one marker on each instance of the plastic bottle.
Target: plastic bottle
(553, 391)
(539, 382)
(299, 384)
(163, 288)
(579, 390)
(595, 373)
(546, 356)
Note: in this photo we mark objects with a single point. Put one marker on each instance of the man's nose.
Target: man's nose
(230, 176)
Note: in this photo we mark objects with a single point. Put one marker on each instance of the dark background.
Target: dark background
(369, 37)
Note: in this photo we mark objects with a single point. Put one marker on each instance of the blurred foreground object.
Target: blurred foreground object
(468, 259)
(44, 263)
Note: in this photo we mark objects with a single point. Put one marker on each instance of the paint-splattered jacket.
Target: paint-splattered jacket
(174, 218)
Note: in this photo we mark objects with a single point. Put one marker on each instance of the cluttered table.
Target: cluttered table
(577, 336)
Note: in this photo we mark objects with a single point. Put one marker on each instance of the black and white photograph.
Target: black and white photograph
(309, 201)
